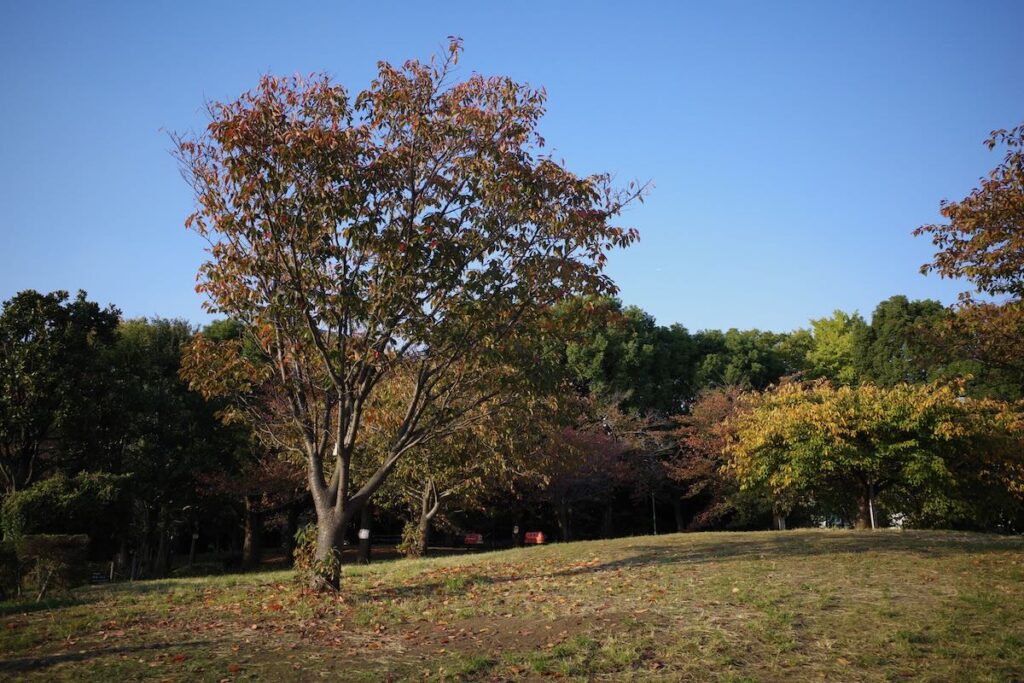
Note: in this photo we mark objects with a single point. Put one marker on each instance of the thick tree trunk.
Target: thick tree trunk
(423, 537)
(252, 545)
(863, 512)
(121, 560)
(866, 515)
(330, 531)
(429, 505)
(778, 520)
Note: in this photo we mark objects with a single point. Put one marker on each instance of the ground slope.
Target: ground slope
(795, 605)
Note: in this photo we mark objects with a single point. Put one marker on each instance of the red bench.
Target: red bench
(534, 538)
(473, 539)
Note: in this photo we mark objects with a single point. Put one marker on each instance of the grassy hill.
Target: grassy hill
(796, 605)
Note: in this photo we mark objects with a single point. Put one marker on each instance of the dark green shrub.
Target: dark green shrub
(60, 504)
(52, 562)
(10, 570)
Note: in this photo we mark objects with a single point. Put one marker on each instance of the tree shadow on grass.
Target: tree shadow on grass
(796, 544)
(727, 547)
(18, 607)
(37, 663)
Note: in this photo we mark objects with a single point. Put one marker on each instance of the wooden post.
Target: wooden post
(365, 543)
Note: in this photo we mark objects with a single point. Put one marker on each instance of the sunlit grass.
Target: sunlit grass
(798, 605)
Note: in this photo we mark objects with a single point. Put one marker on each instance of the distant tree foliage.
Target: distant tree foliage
(50, 371)
(894, 348)
(834, 350)
(844, 448)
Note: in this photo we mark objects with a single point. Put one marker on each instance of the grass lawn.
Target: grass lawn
(795, 605)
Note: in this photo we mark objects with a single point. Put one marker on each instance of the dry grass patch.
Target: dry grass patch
(798, 605)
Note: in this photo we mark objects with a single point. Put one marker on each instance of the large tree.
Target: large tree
(833, 352)
(827, 445)
(983, 241)
(417, 222)
(620, 355)
(894, 347)
(51, 373)
(746, 358)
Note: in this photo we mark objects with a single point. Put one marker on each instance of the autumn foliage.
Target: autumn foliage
(415, 223)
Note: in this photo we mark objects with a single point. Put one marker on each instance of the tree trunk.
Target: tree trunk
(252, 545)
(564, 521)
(162, 561)
(365, 531)
(608, 522)
(291, 527)
(864, 512)
(422, 537)
(430, 503)
(121, 560)
(192, 546)
(677, 510)
(778, 520)
(329, 535)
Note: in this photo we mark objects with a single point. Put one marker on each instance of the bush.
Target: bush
(60, 504)
(10, 570)
(53, 561)
(310, 569)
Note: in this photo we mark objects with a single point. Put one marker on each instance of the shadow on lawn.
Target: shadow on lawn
(25, 607)
(778, 545)
(794, 544)
(32, 664)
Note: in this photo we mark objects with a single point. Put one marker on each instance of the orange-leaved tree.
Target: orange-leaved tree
(417, 222)
(983, 241)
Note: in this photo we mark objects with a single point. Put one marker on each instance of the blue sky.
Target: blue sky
(793, 145)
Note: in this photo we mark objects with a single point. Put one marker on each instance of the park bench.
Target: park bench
(534, 538)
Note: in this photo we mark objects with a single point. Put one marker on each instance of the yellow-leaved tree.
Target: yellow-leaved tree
(925, 449)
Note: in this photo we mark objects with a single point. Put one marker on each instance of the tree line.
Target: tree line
(415, 329)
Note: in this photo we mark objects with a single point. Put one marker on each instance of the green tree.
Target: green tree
(51, 371)
(742, 358)
(834, 354)
(415, 223)
(894, 347)
(169, 438)
(620, 355)
(924, 444)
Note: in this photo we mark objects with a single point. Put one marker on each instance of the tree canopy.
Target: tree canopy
(415, 222)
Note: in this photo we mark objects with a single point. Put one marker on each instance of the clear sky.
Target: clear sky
(793, 146)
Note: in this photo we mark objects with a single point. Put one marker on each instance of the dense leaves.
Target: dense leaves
(50, 371)
(416, 222)
(984, 238)
(842, 447)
